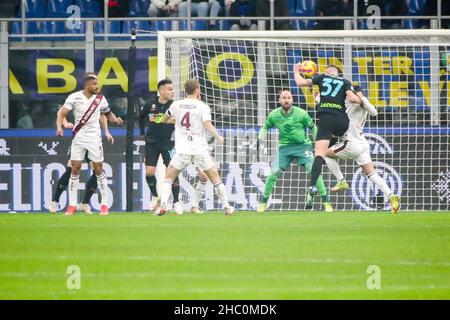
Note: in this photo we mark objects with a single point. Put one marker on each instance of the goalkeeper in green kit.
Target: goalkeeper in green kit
(292, 123)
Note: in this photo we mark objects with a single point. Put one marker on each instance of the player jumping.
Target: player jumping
(192, 120)
(292, 123)
(331, 113)
(356, 147)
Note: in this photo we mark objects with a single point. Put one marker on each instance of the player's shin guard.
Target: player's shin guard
(221, 192)
(334, 168)
(316, 169)
(73, 189)
(151, 182)
(379, 182)
(62, 184)
(166, 187)
(176, 190)
(103, 187)
(199, 192)
(91, 187)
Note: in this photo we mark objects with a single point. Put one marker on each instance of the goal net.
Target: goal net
(404, 73)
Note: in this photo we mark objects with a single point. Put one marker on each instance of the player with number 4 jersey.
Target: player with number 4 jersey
(192, 120)
(292, 123)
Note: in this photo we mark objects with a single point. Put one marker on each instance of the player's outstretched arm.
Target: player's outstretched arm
(61, 115)
(299, 80)
(210, 127)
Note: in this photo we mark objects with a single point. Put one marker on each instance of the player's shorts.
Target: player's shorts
(86, 158)
(93, 149)
(201, 161)
(152, 152)
(360, 152)
(286, 154)
(331, 125)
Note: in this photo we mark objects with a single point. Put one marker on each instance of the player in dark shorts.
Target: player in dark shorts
(158, 141)
(331, 113)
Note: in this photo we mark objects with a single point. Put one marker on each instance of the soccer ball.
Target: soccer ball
(309, 68)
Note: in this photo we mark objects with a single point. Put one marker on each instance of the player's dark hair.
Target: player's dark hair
(163, 82)
(357, 88)
(191, 85)
(334, 66)
(89, 76)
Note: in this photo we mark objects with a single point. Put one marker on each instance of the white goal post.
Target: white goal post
(404, 73)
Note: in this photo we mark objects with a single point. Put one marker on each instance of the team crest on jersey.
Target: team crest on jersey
(367, 195)
(153, 109)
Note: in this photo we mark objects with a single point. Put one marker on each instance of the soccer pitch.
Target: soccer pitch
(288, 255)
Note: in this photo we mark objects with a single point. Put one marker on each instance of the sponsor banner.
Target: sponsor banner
(415, 166)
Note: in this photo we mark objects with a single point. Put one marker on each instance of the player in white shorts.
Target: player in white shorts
(192, 121)
(87, 105)
(354, 146)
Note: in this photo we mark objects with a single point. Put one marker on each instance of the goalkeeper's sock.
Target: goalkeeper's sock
(316, 169)
(73, 189)
(221, 192)
(270, 184)
(102, 183)
(62, 184)
(199, 192)
(176, 190)
(380, 183)
(151, 182)
(322, 189)
(166, 187)
(91, 187)
(334, 168)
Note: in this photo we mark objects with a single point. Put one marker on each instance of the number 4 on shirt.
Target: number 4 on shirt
(185, 121)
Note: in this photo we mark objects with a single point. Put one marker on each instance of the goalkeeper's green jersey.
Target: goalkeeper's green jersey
(292, 126)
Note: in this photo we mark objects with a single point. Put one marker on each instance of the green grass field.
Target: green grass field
(290, 255)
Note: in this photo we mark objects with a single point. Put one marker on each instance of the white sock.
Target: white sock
(102, 183)
(166, 190)
(73, 189)
(199, 192)
(379, 182)
(221, 192)
(334, 168)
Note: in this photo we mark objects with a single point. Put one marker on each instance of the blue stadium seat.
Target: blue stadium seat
(58, 8)
(196, 25)
(415, 8)
(32, 27)
(141, 25)
(138, 8)
(89, 8)
(161, 25)
(52, 27)
(223, 25)
(34, 8)
(99, 27)
(292, 8)
(306, 8)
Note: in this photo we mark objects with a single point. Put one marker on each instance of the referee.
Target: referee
(331, 114)
(158, 141)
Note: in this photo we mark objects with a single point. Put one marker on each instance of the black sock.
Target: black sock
(151, 181)
(176, 190)
(316, 169)
(62, 184)
(91, 187)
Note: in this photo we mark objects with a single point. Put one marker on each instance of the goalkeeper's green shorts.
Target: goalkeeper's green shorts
(303, 153)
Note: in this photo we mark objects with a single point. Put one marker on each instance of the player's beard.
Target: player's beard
(286, 109)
